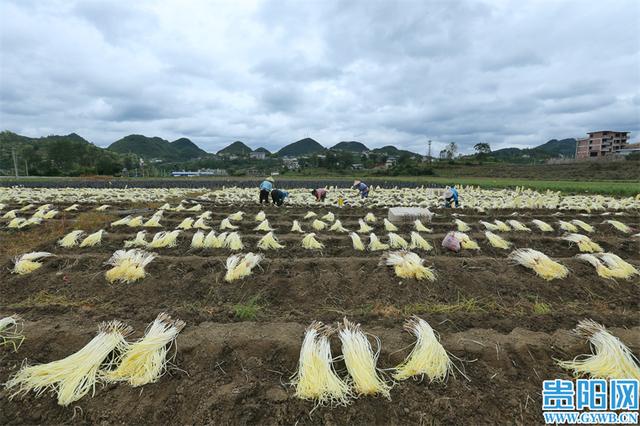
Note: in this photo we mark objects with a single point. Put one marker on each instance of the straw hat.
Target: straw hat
(270, 179)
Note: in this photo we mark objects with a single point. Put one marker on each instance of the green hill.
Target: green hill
(265, 150)
(564, 147)
(58, 155)
(350, 146)
(552, 149)
(236, 148)
(306, 146)
(392, 150)
(157, 148)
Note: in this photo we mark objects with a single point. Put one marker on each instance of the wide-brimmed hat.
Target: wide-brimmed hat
(356, 182)
(270, 179)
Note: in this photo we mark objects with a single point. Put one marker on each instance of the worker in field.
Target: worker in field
(362, 187)
(265, 189)
(278, 196)
(450, 196)
(320, 194)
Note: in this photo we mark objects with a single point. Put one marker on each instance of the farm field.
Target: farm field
(503, 325)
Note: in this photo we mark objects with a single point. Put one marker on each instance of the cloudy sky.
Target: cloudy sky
(511, 73)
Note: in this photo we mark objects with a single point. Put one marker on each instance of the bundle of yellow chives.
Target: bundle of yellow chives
(428, 355)
(361, 361)
(76, 375)
(610, 358)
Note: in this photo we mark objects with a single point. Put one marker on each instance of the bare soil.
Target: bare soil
(230, 371)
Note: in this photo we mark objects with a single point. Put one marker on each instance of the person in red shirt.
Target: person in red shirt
(320, 194)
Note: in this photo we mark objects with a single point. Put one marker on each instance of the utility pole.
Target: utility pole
(429, 154)
(26, 168)
(15, 161)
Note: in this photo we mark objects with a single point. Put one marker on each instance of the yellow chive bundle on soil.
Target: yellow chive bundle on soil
(122, 222)
(619, 226)
(329, 217)
(236, 216)
(201, 224)
(11, 331)
(154, 221)
(542, 265)
(609, 265)
(370, 218)
(465, 241)
(295, 227)
(318, 225)
(16, 222)
(396, 241)
(497, 241)
(195, 208)
(417, 242)
(419, 227)
(316, 378)
(240, 266)
(11, 214)
(145, 360)
(71, 239)
(462, 226)
(75, 376)
(337, 227)
(128, 265)
(233, 241)
(585, 226)
(568, 226)
(364, 228)
(585, 244)
(610, 358)
(375, 244)
(197, 241)
(269, 242)
(407, 264)
(356, 241)
(226, 224)
(135, 222)
(187, 223)
(309, 215)
(72, 208)
(428, 356)
(139, 241)
(518, 226)
(388, 226)
(93, 240)
(28, 262)
(212, 241)
(264, 226)
(543, 226)
(489, 226)
(103, 207)
(361, 361)
(502, 227)
(310, 243)
(165, 239)
(260, 216)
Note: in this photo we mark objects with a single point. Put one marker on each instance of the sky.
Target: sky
(510, 73)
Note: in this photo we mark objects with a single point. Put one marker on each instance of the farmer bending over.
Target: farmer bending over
(278, 196)
(362, 187)
(320, 194)
(451, 196)
(265, 188)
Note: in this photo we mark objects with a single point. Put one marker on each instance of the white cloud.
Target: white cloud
(271, 72)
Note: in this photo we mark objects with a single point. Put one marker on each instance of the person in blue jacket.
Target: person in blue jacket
(362, 187)
(265, 189)
(451, 196)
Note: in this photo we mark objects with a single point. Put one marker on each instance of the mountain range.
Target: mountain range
(184, 150)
